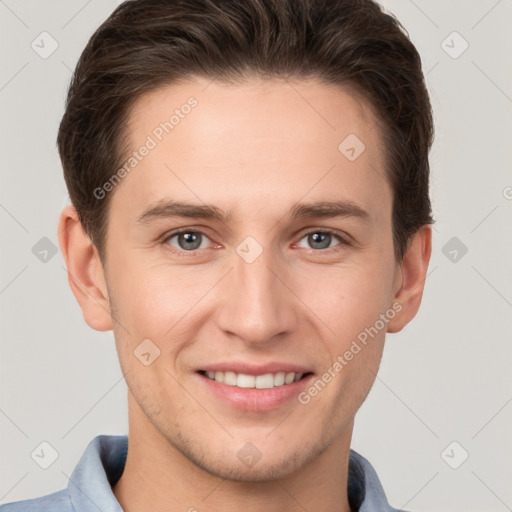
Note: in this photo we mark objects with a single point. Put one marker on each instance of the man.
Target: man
(250, 217)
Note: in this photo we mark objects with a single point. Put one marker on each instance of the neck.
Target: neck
(158, 477)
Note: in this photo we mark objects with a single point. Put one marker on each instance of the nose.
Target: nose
(257, 303)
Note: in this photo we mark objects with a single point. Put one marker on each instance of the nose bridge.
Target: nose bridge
(257, 306)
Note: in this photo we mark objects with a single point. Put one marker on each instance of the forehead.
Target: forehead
(262, 141)
(268, 108)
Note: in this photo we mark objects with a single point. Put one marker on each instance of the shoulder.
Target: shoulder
(100, 465)
(59, 501)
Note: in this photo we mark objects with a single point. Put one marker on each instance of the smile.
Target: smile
(265, 381)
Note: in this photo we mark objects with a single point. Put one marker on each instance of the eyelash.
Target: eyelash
(181, 253)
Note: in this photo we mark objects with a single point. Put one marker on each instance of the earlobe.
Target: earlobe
(413, 274)
(85, 272)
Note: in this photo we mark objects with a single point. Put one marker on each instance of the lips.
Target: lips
(255, 399)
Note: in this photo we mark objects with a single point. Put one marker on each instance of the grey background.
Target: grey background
(445, 378)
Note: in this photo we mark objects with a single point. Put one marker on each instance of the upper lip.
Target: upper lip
(255, 369)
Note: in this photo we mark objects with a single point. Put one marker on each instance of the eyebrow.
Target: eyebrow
(322, 209)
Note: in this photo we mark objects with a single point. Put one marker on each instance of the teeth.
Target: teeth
(245, 381)
(279, 379)
(289, 378)
(229, 378)
(266, 381)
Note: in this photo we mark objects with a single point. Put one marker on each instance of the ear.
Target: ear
(85, 272)
(411, 277)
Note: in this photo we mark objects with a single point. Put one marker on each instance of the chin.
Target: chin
(242, 461)
(261, 471)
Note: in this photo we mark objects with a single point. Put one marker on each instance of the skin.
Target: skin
(256, 149)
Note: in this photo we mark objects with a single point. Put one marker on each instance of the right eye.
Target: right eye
(186, 240)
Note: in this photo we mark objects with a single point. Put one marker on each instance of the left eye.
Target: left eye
(321, 239)
(188, 240)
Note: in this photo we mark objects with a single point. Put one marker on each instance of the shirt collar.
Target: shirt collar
(99, 468)
(102, 464)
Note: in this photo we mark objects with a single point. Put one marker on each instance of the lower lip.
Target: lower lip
(251, 399)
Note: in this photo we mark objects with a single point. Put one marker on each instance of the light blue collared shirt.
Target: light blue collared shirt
(102, 464)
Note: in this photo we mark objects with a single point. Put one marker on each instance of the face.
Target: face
(277, 259)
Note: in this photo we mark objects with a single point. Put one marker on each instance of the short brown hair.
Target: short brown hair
(145, 44)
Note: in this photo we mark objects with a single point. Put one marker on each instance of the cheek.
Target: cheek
(350, 302)
(153, 298)
(347, 299)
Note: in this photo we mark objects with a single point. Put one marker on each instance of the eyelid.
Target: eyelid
(344, 237)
